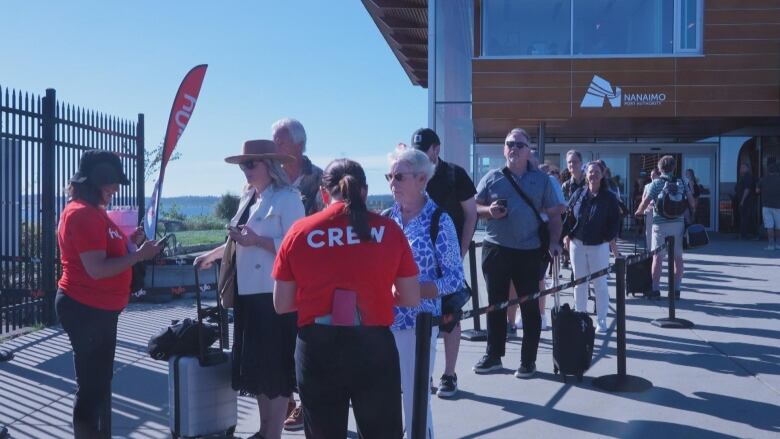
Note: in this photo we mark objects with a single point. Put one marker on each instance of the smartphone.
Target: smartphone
(164, 239)
(501, 202)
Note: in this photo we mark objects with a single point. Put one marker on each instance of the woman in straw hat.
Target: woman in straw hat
(264, 341)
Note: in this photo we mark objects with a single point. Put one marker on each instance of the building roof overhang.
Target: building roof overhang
(404, 25)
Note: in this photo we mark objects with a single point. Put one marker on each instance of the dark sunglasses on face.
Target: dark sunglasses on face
(513, 144)
(398, 176)
(247, 165)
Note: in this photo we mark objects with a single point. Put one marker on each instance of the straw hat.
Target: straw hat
(259, 149)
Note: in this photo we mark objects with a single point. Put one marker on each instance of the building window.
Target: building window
(526, 27)
(590, 28)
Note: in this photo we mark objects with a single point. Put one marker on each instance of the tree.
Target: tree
(153, 158)
(226, 206)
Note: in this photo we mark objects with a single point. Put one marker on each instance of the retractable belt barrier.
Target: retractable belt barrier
(476, 312)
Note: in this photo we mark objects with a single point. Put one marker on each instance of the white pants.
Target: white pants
(586, 259)
(405, 342)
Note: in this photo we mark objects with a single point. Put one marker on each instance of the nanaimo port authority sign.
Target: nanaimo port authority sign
(601, 93)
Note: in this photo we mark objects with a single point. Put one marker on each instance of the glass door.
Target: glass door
(703, 169)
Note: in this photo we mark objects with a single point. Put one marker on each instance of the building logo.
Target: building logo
(601, 90)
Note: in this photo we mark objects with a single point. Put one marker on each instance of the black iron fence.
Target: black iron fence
(41, 141)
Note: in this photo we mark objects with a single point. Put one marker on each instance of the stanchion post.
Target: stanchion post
(621, 382)
(422, 361)
(672, 321)
(620, 294)
(476, 334)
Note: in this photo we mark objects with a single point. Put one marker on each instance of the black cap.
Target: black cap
(424, 138)
(100, 168)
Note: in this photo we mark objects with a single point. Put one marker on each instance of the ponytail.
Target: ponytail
(346, 178)
(351, 191)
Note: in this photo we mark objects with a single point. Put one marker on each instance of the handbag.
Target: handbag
(226, 284)
(544, 229)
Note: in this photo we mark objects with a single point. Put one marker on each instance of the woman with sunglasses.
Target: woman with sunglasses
(263, 341)
(441, 269)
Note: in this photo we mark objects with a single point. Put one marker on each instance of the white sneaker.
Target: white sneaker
(602, 327)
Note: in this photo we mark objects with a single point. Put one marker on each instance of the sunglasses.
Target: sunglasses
(518, 145)
(398, 176)
(247, 165)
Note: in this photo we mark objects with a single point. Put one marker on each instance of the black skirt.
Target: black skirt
(263, 347)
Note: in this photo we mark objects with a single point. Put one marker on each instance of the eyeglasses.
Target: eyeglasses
(398, 176)
(247, 165)
(518, 145)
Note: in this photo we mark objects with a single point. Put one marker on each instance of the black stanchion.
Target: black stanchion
(476, 334)
(621, 382)
(422, 364)
(672, 321)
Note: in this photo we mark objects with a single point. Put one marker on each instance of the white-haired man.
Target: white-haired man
(290, 136)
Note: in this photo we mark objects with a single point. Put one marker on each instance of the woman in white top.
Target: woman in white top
(263, 341)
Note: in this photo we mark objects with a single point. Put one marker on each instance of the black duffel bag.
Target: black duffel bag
(181, 338)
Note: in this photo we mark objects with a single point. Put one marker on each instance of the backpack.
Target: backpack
(671, 202)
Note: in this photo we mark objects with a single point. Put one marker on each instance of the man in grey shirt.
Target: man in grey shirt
(512, 250)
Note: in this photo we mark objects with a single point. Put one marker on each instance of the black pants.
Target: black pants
(335, 365)
(501, 265)
(92, 334)
(748, 224)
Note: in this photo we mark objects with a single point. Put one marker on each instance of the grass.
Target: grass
(191, 238)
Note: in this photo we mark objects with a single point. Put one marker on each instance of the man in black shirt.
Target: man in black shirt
(745, 197)
(453, 191)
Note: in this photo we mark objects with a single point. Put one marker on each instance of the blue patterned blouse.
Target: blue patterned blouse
(447, 252)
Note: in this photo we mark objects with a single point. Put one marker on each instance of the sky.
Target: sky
(324, 63)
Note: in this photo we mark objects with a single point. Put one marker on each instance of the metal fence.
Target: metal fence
(41, 141)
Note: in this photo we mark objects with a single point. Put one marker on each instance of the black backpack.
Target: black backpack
(671, 202)
(181, 338)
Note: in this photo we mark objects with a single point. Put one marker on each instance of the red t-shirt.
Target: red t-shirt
(86, 228)
(321, 255)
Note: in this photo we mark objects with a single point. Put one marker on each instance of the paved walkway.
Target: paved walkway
(718, 379)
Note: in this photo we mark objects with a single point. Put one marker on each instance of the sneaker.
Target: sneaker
(601, 328)
(487, 364)
(526, 371)
(448, 386)
(294, 422)
(290, 408)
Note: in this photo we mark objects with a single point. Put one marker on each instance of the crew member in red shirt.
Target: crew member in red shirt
(343, 269)
(95, 285)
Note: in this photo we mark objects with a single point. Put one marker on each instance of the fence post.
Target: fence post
(672, 321)
(476, 334)
(422, 364)
(621, 382)
(48, 202)
(140, 169)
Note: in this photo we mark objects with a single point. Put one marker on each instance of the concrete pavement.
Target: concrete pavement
(719, 379)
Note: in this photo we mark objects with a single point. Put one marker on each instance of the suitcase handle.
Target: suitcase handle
(204, 357)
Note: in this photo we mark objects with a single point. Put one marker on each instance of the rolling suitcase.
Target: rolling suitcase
(201, 398)
(573, 336)
(696, 236)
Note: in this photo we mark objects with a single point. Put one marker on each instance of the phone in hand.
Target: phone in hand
(232, 228)
(501, 202)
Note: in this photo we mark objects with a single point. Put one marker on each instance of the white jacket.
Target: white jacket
(278, 210)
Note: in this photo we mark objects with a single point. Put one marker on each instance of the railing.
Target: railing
(41, 141)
